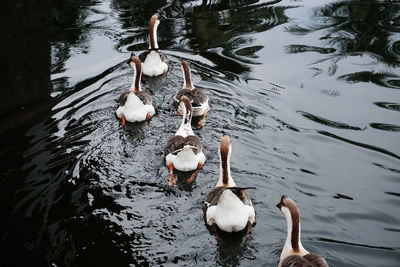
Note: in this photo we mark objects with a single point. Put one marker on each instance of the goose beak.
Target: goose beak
(280, 204)
(130, 58)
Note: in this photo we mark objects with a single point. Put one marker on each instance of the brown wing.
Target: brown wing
(316, 260)
(174, 143)
(213, 198)
(215, 194)
(242, 194)
(178, 142)
(122, 99)
(296, 261)
(163, 56)
(198, 97)
(183, 92)
(309, 260)
(195, 141)
(144, 97)
(143, 55)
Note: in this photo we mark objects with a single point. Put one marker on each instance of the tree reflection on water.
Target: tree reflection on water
(216, 30)
(68, 30)
(356, 28)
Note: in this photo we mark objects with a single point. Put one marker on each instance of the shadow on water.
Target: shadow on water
(36, 165)
(25, 75)
(231, 248)
(353, 29)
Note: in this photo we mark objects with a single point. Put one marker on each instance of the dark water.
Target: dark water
(308, 91)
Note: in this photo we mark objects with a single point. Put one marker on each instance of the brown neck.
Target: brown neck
(225, 171)
(294, 212)
(152, 33)
(186, 73)
(224, 154)
(138, 67)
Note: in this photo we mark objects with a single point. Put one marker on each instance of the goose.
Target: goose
(134, 104)
(184, 151)
(227, 206)
(200, 102)
(293, 253)
(154, 61)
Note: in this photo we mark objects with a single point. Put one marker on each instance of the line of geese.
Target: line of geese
(228, 207)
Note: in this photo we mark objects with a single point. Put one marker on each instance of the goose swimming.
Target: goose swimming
(135, 105)
(200, 102)
(227, 206)
(293, 253)
(154, 61)
(184, 151)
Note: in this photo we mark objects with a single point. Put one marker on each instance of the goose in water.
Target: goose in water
(134, 104)
(227, 206)
(293, 253)
(154, 61)
(200, 102)
(184, 151)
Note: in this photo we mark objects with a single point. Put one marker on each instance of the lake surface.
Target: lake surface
(307, 90)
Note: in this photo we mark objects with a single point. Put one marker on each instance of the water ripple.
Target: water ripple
(83, 189)
(367, 146)
(385, 127)
(329, 123)
(388, 105)
(382, 79)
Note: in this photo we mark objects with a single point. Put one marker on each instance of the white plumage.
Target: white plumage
(184, 151)
(134, 110)
(134, 104)
(230, 214)
(154, 62)
(186, 160)
(227, 206)
(153, 65)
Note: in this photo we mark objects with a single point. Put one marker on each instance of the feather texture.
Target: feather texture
(228, 206)
(153, 61)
